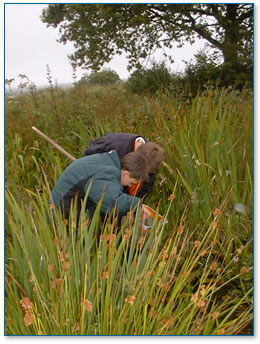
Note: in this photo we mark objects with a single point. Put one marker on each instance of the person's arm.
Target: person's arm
(123, 143)
(113, 196)
(96, 146)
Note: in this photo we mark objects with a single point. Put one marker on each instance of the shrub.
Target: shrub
(204, 71)
(208, 69)
(150, 80)
(105, 77)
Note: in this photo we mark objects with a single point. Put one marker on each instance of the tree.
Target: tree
(99, 31)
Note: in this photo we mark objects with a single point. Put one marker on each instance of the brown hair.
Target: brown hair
(137, 164)
(153, 153)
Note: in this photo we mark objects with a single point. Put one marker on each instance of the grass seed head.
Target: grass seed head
(213, 266)
(213, 224)
(153, 314)
(51, 206)
(76, 327)
(165, 254)
(141, 240)
(26, 303)
(127, 234)
(50, 268)
(171, 197)
(105, 275)
(244, 269)
(194, 298)
(28, 318)
(109, 237)
(174, 250)
(130, 299)
(103, 237)
(62, 256)
(218, 271)
(240, 249)
(88, 305)
(180, 229)
(59, 282)
(221, 331)
(215, 315)
(197, 244)
(203, 253)
(167, 322)
(66, 266)
(202, 305)
(185, 274)
(84, 224)
(217, 212)
(202, 289)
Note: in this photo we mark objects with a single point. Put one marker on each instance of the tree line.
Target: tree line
(100, 31)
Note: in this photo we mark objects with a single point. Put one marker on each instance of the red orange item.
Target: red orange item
(146, 223)
(152, 212)
(133, 189)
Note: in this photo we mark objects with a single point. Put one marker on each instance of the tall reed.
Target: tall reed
(112, 280)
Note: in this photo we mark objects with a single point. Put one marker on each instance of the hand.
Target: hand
(145, 212)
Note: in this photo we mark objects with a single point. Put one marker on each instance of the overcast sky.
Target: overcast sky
(30, 46)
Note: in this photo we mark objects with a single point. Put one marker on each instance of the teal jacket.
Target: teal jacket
(104, 172)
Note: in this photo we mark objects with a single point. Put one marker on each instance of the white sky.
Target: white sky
(30, 46)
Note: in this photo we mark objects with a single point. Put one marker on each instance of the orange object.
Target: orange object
(147, 222)
(152, 212)
(133, 189)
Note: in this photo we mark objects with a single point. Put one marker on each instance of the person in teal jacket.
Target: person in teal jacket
(104, 173)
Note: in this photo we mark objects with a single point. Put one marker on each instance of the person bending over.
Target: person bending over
(125, 143)
(104, 173)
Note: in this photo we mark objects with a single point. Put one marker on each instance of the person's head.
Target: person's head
(154, 154)
(134, 169)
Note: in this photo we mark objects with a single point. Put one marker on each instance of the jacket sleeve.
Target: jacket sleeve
(96, 146)
(113, 197)
(123, 143)
(146, 187)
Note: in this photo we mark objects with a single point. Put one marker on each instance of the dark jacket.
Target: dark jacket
(123, 143)
(104, 172)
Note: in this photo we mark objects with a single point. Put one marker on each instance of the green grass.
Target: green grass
(192, 275)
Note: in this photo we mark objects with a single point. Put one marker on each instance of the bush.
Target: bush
(208, 70)
(204, 71)
(150, 80)
(105, 77)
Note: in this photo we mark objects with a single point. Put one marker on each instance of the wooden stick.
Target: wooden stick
(54, 144)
